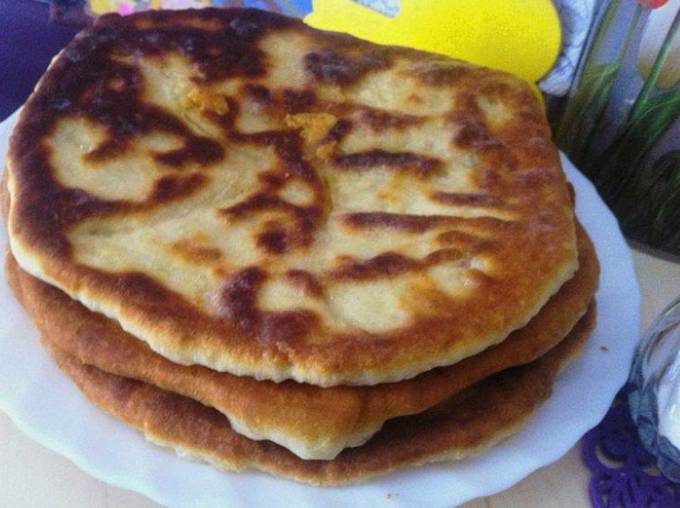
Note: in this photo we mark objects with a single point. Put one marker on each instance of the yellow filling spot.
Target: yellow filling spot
(314, 125)
(206, 100)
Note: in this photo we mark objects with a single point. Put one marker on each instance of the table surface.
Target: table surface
(36, 477)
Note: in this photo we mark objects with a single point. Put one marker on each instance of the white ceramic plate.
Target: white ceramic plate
(48, 407)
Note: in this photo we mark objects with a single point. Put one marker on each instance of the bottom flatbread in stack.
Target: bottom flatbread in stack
(476, 419)
(446, 414)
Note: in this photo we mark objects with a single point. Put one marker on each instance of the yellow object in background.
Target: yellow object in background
(518, 36)
(99, 6)
(121, 6)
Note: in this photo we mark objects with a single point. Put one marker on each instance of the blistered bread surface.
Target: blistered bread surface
(244, 192)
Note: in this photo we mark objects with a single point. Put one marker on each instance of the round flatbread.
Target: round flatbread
(246, 193)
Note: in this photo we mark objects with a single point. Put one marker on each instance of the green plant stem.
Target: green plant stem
(628, 181)
(664, 167)
(570, 115)
(599, 115)
(650, 82)
(663, 219)
(602, 29)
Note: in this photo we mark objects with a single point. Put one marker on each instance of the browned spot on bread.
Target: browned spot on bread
(275, 239)
(259, 93)
(257, 202)
(111, 147)
(341, 69)
(572, 193)
(456, 237)
(443, 255)
(401, 221)
(298, 100)
(391, 264)
(442, 75)
(238, 305)
(238, 302)
(467, 199)
(305, 220)
(306, 281)
(218, 53)
(328, 146)
(385, 265)
(174, 187)
(200, 150)
(478, 277)
(532, 179)
(288, 147)
(284, 327)
(341, 128)
(466, 241)
(417, 223)
(380, 120)
(473, 132)
(423, 166)
(193, 252)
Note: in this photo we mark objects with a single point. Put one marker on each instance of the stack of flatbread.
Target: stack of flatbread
(275, 248)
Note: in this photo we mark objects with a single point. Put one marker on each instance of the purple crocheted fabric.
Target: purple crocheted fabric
(623, 473)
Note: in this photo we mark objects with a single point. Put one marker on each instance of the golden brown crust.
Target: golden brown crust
(481, 417)
(311, 421)
(491, 197)
(4, 196)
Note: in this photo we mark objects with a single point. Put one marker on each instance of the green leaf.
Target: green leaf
(665, 174)
(666, 223)
(653, 120)
(650, 83)
(618, 166)
(587, 104)
(646, 216)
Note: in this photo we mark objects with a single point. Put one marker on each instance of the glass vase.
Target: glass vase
(655, 389)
